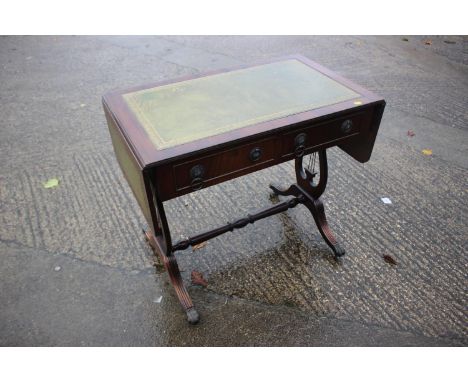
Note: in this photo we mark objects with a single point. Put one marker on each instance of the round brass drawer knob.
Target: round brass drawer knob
(300, 139)
(197, 171)
(346, 126)
(255, 154)
(299, 144)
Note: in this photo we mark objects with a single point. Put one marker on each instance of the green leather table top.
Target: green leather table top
(185, 111)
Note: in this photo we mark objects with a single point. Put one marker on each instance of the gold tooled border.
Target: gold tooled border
(160, 143)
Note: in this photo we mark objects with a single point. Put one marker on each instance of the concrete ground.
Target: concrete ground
(74, 266)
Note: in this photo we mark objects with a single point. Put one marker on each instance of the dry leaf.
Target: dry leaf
(410, 133)
(198, 279)
(51, 183)
(427, 152)
(199, 246)
(427, 42)
(389, 259)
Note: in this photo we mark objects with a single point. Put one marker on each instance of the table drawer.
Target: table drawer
(206, 170)
(323, 134)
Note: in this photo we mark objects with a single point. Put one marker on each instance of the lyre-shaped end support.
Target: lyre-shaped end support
(305, 178)
(310, 196)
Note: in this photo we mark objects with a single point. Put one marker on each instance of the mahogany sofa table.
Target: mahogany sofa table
(176, 137)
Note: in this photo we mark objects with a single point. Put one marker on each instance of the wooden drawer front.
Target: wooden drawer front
(326, 133)
(194, 174)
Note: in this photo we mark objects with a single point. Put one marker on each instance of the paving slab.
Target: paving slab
(61, 305)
